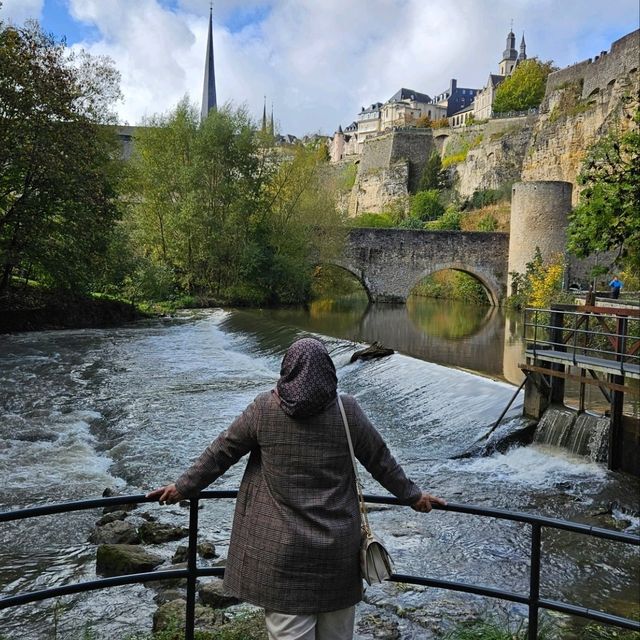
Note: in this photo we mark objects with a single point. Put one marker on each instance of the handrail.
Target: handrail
(192, 572)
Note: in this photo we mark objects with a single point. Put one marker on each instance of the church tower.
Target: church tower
(509, 55)
(209, 90)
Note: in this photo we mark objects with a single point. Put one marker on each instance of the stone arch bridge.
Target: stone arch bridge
(390, 262)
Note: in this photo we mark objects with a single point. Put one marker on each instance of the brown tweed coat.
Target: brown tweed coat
(296, 532)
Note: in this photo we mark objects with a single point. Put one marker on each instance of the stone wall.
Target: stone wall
(600, 73)
(390, 169)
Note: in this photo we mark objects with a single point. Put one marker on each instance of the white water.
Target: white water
(130, 408)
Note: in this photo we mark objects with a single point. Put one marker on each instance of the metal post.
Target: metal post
(534, 581)
(189, 626)
(617, 402)
(556, 392)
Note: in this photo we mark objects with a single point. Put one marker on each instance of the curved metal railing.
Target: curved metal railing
(193, 571)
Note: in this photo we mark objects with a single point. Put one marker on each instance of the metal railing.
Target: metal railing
(575, 333)
(533, 600)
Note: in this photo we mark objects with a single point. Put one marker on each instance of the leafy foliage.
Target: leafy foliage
(58, 173)
(432, 174)
(539, 285)
(606, 218)
(449, 221)
(524, 88)
(374, 220)
(426, 205)
(228, 215)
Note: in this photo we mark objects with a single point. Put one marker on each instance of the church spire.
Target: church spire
(264, 116)
(523, 50)
(271, 128)
(209, 90)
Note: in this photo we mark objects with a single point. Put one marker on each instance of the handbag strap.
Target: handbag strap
(363, 508)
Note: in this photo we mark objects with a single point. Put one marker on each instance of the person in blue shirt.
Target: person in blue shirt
(615, 285)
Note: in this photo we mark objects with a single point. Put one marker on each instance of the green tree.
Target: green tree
(229, 213)
(606, 218)
(58, 167)
(432, 174)
(524, 88)
(426, 205)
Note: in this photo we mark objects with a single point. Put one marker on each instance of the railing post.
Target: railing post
(192, 559)
(534, 581)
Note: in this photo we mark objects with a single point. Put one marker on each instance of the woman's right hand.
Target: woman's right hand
(426, 501)
(166, 495)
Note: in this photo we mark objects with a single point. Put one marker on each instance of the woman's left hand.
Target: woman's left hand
(166, 495)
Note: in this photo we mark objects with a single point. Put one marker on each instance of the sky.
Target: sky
(317, 61)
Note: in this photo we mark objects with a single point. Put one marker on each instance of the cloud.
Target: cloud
(319, 62)
(17, 11)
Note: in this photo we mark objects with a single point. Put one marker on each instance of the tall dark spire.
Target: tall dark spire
(209, 90)
(271, 128)
(523, 50)
(264, 116)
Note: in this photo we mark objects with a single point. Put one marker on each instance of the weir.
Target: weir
(595, 346)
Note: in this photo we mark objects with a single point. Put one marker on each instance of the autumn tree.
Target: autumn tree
(606, 218)
(524, 88)
(58, 168)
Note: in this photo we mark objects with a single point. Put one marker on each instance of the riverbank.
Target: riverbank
(35, 308)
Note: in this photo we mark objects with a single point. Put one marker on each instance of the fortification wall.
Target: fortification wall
(600, 72)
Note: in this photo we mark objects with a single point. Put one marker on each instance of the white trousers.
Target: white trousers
(332, 625)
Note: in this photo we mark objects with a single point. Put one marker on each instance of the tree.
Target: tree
(606, 218)
(227, 212)
(524, 88)
(432, 174)
(58, 168)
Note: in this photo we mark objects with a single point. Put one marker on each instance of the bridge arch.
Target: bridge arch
(488, 284)
(340, 264)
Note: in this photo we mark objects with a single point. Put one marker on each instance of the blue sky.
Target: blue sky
(318, 61)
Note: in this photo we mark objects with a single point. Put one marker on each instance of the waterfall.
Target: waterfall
(581, 433)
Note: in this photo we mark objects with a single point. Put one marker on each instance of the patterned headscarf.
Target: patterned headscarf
(308, 379)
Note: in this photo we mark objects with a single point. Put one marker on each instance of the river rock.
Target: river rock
(376, 350)
(207, 550)
(168, 595)
(158, 532)
(169, 583)
(111, 517)
(212, 594)
(167, 615)
(116, 532)
(110, 493)
(120, 559)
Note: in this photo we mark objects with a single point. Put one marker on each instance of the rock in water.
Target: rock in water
(173, 613)
(158, 532)
(120, 559)
(116, 532)
(212, 594)
(376, 350)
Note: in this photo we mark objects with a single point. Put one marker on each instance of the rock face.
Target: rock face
(120, 559)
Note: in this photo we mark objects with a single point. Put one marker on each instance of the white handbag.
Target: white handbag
(376, 564)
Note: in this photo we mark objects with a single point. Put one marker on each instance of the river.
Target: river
(130, 407)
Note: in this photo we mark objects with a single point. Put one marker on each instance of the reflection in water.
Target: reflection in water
(478, 338)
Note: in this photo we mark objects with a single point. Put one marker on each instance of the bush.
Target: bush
(426, 205)
(487, 223)
(449, 221)
(376, 220)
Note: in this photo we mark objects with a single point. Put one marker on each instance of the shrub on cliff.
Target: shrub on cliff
(426, 205)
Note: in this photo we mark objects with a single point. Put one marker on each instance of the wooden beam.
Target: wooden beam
(635, 391)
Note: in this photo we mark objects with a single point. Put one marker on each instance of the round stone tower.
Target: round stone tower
(539, 218)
